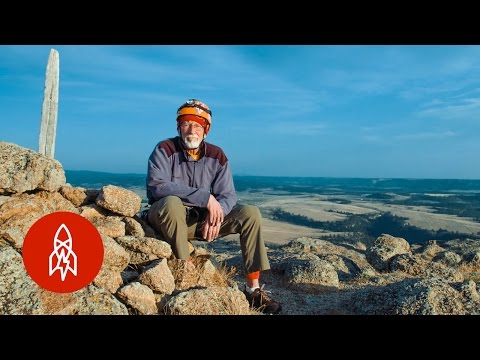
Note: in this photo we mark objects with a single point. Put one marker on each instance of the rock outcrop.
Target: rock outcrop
(139, 274)
(25, 170)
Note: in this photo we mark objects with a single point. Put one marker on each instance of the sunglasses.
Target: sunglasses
(192, 103)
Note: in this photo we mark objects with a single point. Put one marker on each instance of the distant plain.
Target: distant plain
(319, 208)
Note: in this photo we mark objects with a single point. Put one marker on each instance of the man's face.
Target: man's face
(192, 133)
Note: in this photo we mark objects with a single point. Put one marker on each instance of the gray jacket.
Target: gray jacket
(171, 171)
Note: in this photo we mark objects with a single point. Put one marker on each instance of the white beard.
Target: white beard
(192, 141)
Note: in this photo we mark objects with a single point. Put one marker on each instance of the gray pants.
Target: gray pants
(169, 217)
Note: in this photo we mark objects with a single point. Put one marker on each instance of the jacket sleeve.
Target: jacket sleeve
(160, 184)
(224, 190)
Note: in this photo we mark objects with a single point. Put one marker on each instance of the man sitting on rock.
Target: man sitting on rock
(191, 192)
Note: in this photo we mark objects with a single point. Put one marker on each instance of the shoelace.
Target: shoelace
(265, 293)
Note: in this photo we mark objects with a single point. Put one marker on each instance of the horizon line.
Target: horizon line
(292, 176)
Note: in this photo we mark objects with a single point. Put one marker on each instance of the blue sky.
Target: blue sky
(300, 110)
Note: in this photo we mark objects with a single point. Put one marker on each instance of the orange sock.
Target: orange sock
(253, 275)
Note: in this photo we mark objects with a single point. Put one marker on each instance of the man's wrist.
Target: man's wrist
(206, 199)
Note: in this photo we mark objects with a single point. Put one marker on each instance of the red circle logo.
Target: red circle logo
(63, 252)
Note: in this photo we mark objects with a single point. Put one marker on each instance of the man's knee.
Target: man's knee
(250, 212)
(171, 203)
(167, 207)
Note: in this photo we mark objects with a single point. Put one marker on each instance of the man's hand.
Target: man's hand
(211, 226)
(210, 232)
(215, 212)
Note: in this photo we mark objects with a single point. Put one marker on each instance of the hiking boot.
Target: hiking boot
(261, 301)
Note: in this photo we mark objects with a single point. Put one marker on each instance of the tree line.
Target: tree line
(371, 226)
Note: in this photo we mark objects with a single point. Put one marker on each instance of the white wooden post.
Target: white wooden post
(48, 127)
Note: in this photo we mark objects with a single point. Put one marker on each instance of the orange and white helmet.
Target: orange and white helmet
(195, 110)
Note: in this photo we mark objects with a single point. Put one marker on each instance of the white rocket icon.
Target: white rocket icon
(62, 257)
